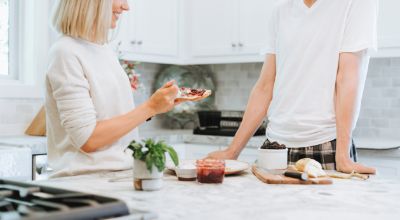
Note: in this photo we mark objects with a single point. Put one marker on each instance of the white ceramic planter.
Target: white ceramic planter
(272, 159)
(144, 179)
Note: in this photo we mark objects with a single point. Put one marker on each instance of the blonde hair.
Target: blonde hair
(86, 19)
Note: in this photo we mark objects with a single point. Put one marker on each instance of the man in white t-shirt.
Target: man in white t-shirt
(311, 84)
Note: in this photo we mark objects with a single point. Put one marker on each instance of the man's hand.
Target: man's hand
(348, 166)
(222, 155)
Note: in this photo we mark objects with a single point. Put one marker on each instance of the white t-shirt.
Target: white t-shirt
(307, 43)
(84, 84)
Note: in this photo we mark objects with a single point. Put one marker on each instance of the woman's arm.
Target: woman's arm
(108, 131)
(347, 83)
(256, 111)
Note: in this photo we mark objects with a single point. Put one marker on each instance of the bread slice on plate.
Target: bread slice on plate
(189, 94)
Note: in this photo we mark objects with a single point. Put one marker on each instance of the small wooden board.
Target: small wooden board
(38, 125)
(271, 178)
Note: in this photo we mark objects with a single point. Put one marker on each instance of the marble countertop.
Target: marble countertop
(255, 142)
(245, 197)
(187, 136)
(38, 145)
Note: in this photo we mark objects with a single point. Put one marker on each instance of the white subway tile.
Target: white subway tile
(370, 112)
(395, 62)
(390, 72)
(396, 103)
(370, 92)
(367, 132)
(363, 122)
(391, 113)
(381, 83)
(391, 92)
(376, 103)
(375, 72)
(396, 82)
(379, 62)
(395, 123)
(380, 123)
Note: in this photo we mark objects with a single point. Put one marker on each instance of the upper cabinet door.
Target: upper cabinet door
(388, 26)
(155, 24)
(253, 20)
(122, 35)
(212, 28)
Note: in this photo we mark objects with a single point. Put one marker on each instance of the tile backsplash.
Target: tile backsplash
(380, 110)
(379, 117)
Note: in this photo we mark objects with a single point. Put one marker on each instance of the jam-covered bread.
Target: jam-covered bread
(192, 94)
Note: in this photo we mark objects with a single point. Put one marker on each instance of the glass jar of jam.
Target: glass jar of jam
(210, 171)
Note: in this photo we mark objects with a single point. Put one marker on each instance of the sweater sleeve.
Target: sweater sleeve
(71, 92)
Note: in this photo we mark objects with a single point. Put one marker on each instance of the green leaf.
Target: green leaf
(149, 163)
(172, 153)
(155, 156)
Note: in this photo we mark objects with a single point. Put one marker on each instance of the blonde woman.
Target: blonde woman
(91, 116)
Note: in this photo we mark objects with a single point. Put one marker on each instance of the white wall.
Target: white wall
(21, 99)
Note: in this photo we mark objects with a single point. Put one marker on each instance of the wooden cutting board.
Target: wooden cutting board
(38, 125)
(271, 178)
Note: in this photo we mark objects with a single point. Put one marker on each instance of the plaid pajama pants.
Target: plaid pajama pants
(323, 153)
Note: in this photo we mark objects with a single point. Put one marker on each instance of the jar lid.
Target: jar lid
(210, 163)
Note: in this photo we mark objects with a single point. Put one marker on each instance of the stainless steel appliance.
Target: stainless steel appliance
(222, 123)
(20, 200)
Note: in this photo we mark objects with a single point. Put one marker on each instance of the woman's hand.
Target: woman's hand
(163, 100)
(348, 166)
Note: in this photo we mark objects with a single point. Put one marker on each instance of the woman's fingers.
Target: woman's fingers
(172, 91)
(169, 84)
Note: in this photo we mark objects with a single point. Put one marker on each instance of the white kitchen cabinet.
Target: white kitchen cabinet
(388, 29)
(149, 30)
(212, 28)
(120, 36)
(195, 32)
(188, 32)
(231, 27)
(252, 22)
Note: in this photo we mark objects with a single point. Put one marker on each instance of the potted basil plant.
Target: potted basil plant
(149, 163)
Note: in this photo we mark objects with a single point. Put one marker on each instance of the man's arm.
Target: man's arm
(256, 110)
(347, 92)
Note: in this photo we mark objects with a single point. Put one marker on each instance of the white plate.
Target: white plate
(231, 166)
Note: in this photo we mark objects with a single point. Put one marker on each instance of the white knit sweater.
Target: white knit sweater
(84, 84)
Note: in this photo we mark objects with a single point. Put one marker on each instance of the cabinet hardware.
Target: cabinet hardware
(234, 45)
(140, 42)
(241, 45)
(133, 42)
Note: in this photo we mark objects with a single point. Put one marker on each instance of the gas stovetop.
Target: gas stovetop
(27, 201)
